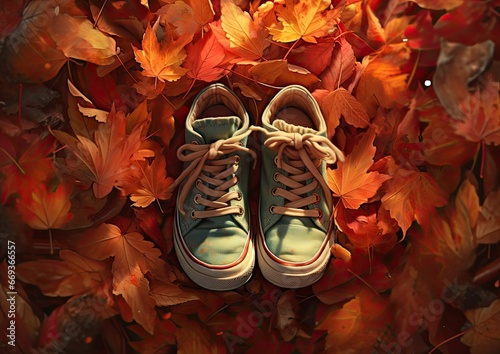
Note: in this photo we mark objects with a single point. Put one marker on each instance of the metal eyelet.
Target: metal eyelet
(273, 192)
(241, 212)
(276, 160)
(275, 177)
(317, 198)
(192, 215)
(271, 209)
(240, 196)
(236, 160)
(197, 198)
(320, 214)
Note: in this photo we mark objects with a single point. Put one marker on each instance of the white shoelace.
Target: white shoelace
(208, 166)
(299, 148)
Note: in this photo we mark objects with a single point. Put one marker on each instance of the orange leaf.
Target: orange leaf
(106, 159)
(351, 181)
(481, 115)
(78, 38)
(162, 60)
(247, 38)
(153, 184)
(488, 223)
(412, 195)
(341, 102)
(484, 336)
(185, 18)
(204, 57)
(280, 73)
(383, 81)
(306, 19)
(72, 275)
(42, 209)
(168, 294)
(133, 257)
(24, 158)
(341, 66)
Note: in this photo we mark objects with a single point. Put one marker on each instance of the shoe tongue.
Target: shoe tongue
(216, 128)
(292, 128)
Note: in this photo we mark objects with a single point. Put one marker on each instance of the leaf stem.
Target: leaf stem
(364, 281)
(13, 161)
(291, 48)
(450, 339)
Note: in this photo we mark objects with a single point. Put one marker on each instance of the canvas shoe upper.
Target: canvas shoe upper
(211, 227)
(295, 202)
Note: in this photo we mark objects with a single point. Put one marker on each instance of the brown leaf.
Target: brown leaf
(484, 336)
(341, 66)
(488, 223)
(168, 294)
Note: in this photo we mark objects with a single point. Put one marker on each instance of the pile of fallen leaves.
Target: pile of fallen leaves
(94, 95)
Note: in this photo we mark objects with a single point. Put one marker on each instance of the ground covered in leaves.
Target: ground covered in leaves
(94, 95)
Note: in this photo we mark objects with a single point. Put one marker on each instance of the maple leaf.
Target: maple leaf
(286, 316)
(341, 103)
(29, 161)
(313, 57)
(341, 66)
(482, 115)
(168, 294)
(488, 223)
(306, 19)
(356, 326)
(204, 59)
(484, 336)
(162, 61)
(185, 18)
(280, 73)
(78, 38)
(133, 258)
(153, 184)
(244, 36)
(344, 279)
(72, 275)
(107, 158)
(412, 195)
(351, 181)
(383, 80)
(42, 209)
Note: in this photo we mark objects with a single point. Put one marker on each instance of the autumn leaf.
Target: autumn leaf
(344, 279)
(341, 103)
(168, 294)
(313, 57)
(482, 115)
(204, 59)
(286, 316)
(72, 275)
(412, 195)
(188, 17)
(280, 73)
(43, 209)
(488, 222)
(341, 66)
(133, 258)
(304, 19)
(439, 5)
(22, 158)
(484, 336)
(383, 79)
(244, 36)
(78, 38)
(162, 60)
(153, 184)
(351, 181)
(106, 159)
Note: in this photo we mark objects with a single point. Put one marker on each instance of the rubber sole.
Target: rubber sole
(292, 277)
(211, 278)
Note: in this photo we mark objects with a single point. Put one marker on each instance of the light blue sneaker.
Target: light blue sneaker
(296, 232)
(211, 226)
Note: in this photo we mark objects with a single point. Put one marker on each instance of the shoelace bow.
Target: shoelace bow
(299, 148)
(207, 166)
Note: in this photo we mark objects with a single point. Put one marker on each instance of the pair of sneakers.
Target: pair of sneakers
(212, 231)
